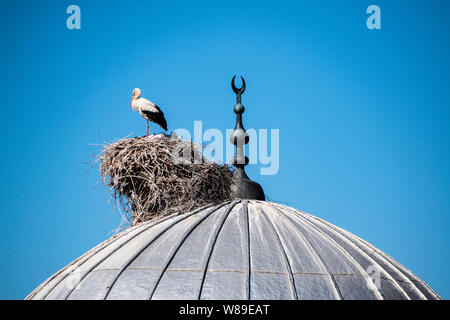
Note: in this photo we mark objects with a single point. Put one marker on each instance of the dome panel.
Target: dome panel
(271, 286)
(300, 255)
(354, 287)
(133, 284)
(266, 253)
(310, 286)
(232, 286)
(93, 285)
(175, 283)
(163, 246)
(232, 241)
(193, 247)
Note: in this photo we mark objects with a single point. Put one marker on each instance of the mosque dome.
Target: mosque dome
(243, 249)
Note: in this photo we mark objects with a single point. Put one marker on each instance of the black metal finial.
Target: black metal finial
(243, 187)
(239, 91)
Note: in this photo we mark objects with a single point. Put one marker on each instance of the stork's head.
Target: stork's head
(136, 94)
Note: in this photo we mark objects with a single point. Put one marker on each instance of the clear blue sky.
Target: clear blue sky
(363, 115)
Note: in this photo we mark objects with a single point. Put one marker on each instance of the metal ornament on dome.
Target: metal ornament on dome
(243, 187)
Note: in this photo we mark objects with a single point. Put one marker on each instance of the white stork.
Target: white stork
(148, 110)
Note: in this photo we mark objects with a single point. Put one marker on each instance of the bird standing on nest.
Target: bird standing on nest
(148, 110)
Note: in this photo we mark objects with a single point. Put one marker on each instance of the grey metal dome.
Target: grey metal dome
(236, 250)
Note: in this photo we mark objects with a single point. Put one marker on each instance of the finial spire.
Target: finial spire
(239, 91)
(243, 187)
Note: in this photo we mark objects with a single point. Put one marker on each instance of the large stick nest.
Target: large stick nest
(160, 175)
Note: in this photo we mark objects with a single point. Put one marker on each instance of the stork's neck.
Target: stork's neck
(133, 103)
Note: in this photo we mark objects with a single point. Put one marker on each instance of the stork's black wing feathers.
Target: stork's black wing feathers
(159, 109)
(156, 117)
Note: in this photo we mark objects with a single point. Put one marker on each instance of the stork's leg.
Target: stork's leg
(147, 128)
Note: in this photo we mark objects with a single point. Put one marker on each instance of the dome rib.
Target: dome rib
(132, 258)
(343, 251)
(346, 236)
(210, 246)
(313, 254)
(246, 250)
(283, 251)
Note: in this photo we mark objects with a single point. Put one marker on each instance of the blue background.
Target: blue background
(363, 115)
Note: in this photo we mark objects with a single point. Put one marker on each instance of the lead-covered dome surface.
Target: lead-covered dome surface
(236, 250)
